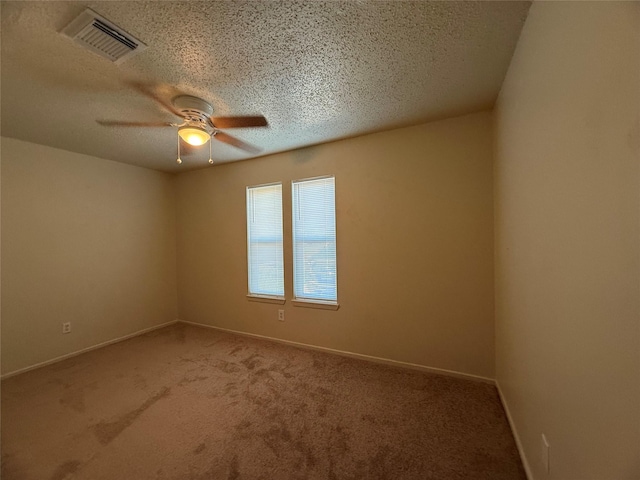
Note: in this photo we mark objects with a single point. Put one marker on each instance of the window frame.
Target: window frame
(260, 297)
(313, 302)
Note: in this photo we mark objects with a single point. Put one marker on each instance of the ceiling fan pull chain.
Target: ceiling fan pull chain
(210, 159)
(179, 160)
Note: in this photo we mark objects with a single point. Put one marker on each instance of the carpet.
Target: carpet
(192, 403)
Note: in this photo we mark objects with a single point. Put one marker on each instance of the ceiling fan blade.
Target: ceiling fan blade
(239, 122)
(145, 90)
(117, 123)
(228, 139)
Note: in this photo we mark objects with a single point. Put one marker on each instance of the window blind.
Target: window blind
(264, 240)
(314, 239)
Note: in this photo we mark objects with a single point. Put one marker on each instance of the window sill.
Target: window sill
(315, 304)
(266, 299)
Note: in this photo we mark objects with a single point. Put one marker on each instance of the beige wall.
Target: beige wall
(567, 239)
(415, 246)
(86, 241)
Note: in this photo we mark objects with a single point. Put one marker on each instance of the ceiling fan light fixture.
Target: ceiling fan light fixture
(194, 135)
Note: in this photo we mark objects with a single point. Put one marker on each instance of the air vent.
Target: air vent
(99, 35)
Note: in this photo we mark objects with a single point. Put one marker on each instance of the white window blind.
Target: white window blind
(264, 240)
(314, 240)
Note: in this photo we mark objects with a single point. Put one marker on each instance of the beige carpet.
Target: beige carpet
(193, 403)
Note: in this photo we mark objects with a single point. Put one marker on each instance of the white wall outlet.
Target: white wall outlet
(66, 327)
(545, 454)
(281, 315)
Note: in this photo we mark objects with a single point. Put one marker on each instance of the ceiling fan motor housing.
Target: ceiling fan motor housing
(193, 109)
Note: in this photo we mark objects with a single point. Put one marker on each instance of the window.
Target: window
(264, 240)
(314, 240)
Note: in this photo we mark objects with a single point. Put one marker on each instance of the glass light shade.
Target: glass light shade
(194, 135)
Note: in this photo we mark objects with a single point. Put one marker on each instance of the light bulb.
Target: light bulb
(194, 140)
(194, 135)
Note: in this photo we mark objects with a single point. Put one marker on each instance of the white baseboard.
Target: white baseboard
(360, 356)
(523, 457)
(384, 361)
(84, 350)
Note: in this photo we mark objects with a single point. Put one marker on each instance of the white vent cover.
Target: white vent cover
(102, 37)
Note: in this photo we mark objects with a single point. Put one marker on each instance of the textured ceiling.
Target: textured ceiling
(318, 71)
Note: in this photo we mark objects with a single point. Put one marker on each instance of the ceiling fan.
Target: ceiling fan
(198, 126)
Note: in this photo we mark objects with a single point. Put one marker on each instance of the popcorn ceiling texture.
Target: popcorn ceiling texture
(318, 71)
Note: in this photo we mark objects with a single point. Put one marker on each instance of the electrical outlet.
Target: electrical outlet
(545, 454)
(66, 327)
(281, 315)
